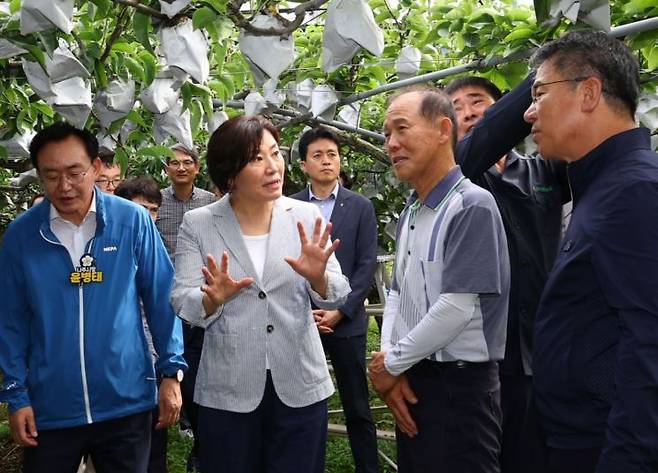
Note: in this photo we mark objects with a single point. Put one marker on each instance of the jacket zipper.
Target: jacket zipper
(81, 328)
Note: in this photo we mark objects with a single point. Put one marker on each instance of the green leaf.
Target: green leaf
(208, 108)
(121, 158)
(135, 117)
(203, 17)
(142, 27)
(483, 15)
(155, 151)
(123, 47)
(103, 8)
(518, 14)
(44, 108)
(225, 28)
(186, 94)
(199, 90)
(115, 126)
(223, 86)
(14, 6)
(134, 67)
(195, 116)
(651, 55)
(218, 5)
(37, 53)
(150, 66)
(519, 33)
(49, 41)
(637, 7)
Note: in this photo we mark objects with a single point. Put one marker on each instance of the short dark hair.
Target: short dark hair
(107, 158)
(313, 135)
(474, 81)
(593, 53)
(185, 150)
(233, 145)
(434, 104)
(144, 186)
(59, 131)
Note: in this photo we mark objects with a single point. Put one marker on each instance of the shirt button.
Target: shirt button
(412, 227)
(262, 295)
(269, 329)
(408, 252)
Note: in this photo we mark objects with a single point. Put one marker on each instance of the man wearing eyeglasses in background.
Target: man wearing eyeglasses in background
(109, 176)
(77, 372)
(182, 195)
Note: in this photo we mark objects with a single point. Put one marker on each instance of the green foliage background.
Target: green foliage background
(116, 41)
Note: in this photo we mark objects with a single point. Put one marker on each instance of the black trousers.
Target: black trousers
(583, 460)
(158, 455)
(274, 438)
(116, 446)
(348, 358)
(523, 448)
(458, 418)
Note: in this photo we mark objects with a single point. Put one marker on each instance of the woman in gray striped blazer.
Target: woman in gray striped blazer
(247, 268)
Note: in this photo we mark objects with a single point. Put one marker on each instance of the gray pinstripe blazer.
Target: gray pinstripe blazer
(273, 316)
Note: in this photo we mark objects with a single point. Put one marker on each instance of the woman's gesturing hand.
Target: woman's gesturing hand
(312, 262)
(219, 286)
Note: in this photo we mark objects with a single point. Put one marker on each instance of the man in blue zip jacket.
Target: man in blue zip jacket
(595, 358)
(77, 370)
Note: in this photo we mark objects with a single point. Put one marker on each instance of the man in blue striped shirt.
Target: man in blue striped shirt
(445, 318)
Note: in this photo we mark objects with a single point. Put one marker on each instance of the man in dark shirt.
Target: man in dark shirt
(529, 192)
(596, 333)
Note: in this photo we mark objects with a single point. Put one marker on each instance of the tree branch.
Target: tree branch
(236, 16)
(118, 29)
(140, 7)
(345, 137)
(359, 145)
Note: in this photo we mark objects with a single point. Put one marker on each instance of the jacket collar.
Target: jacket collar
(607, 154)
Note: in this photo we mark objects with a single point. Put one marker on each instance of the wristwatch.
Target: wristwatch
(178, 375)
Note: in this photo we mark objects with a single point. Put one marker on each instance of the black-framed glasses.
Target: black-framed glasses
(186, 163)
(72, 177)
(536, 85)
(104, 182)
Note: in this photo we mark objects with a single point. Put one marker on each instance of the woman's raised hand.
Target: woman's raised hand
(219, 286)
(312, 262)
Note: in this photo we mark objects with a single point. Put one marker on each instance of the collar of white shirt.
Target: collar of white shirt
(334, 193)
(54, 214)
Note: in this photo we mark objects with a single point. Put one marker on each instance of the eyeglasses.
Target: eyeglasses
(187, 163)
(104, 182)
(72, 177)
(536, 85)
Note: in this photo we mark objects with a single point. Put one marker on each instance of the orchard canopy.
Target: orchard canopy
(144, 74)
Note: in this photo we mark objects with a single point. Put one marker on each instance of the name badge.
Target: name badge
(87, 272)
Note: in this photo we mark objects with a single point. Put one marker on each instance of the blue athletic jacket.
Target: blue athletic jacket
(77, 353)
(596, 333)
